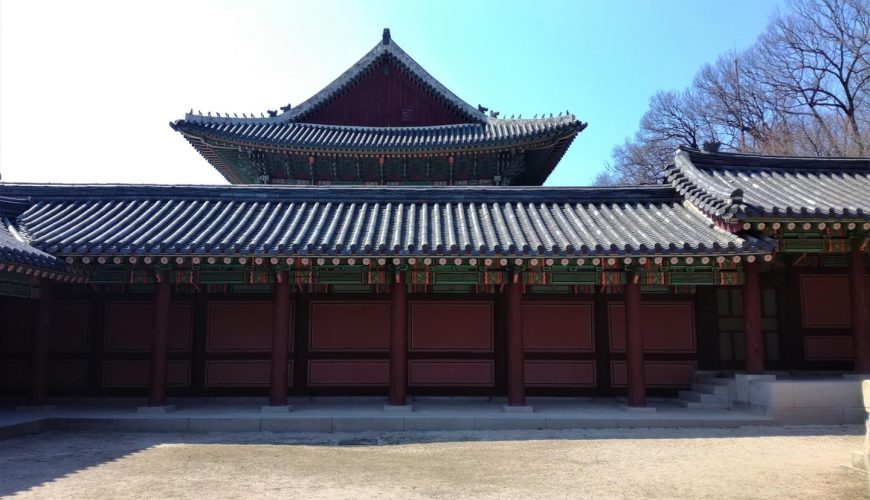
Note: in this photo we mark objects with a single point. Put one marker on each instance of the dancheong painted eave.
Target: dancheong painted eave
(394, 221)
(737, 187)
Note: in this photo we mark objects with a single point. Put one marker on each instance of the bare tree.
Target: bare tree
(802, 89)
(818, 58)
(673, 119)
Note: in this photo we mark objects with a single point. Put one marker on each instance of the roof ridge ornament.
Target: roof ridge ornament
(386, 36)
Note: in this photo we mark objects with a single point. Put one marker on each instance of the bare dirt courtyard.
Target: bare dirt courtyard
(752, 462)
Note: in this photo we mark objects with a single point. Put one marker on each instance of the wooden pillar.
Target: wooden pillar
(280, 331)
(160, 342)
(634, 342)
(515, 357)
(858, 303)
(39, 362)
(753, 340)
(398, 340)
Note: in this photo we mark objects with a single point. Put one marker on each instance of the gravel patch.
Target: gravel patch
(750, 462)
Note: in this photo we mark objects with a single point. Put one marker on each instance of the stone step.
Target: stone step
(700, 397)
(705, 388)
(704, 406)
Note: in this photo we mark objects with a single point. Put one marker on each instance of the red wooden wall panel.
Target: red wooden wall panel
(241, 327)
(325, 372)
(656, 373)
(454, 373)
(665, 326)
(69, 326)
(14, 372)
(378, 100)
(831, 347)
(554, 326)
(244, 373)
(560, 373)
(129, 373)
(67, 373)
(18, 323)
(825, 301)
(358, 326)
(129, 325)
(451, 326)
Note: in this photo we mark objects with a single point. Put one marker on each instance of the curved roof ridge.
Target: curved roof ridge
(733, 186)
(747, 161)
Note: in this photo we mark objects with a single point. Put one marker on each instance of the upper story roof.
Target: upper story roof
(384, 105)
(334, 221)
(735, 187)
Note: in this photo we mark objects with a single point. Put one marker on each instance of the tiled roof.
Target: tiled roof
(741, 186)
(280, 220)
(14, 249)
(273, 132)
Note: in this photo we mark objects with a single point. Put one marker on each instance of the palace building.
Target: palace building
(386, 238)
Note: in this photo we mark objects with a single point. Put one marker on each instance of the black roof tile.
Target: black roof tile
(279, 220)
(740, 186)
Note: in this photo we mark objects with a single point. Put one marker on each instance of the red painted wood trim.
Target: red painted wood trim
(829, 348)
(634, 343)
(460, 373)
(127, 373)
(515, 357)
(280, 340)
(858, 306)
(560, 373)
(348, 373)
(398, 340)
(160, 347)
(754, 341)
(658, 374)
(38, 364)
(68, 373)
(241, 373)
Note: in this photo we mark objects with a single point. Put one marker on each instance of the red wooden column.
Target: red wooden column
(398, 340)
(858, 303)
(753, 340)
(160, 342)
(515, 361)
(634, 342)
(39, 363)
(280, 329)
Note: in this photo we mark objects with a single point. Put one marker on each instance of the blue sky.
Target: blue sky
(87, 88)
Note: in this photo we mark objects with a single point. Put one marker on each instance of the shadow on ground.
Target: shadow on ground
(32, 461)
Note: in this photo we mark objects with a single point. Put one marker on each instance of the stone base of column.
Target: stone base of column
(742, 381)
(517, 409)
(276, 409)
(35, 408)
(861, 460)
(399, 408)
(637, 409)
(155, 410)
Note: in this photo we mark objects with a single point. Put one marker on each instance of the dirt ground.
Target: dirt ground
(760, 462)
